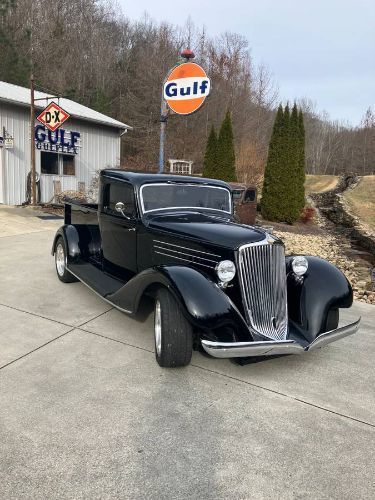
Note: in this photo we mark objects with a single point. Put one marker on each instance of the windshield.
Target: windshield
(162, 196)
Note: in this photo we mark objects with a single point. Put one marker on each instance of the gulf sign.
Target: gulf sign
(186, 88)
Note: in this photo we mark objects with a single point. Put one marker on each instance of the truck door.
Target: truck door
(118, 230)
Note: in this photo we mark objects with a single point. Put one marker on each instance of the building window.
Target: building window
(68, 165)
(250, 196)
(57, 164)
(49, 163)
(182, 168)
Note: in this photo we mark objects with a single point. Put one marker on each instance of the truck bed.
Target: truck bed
(84, 217)
(76, 212)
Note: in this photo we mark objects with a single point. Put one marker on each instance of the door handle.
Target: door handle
(131, 229)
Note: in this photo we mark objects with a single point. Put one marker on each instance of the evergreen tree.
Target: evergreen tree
(272, 177)
(296, 194)
(225, 152)
(210, 166)
(302, 160)
(283, 193)
(100, 101)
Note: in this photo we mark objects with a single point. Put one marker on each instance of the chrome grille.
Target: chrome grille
(262, 274)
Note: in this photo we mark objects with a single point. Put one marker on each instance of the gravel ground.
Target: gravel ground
(327, 247)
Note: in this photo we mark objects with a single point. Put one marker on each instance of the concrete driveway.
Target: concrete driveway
(85, 411)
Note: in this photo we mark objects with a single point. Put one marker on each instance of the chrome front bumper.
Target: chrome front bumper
(275, 347)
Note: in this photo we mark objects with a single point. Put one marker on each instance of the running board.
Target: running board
(94, 278)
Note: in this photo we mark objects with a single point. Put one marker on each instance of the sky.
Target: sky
(323, 50)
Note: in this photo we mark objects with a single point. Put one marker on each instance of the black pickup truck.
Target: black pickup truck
(217, 285)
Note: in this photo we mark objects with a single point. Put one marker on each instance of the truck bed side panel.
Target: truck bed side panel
(84, 217)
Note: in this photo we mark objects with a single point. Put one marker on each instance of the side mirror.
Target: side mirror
(119, 207)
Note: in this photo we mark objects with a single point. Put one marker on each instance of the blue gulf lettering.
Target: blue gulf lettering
(185, 91)
(74, 138)
(171, 89)
(40, 135)
(62, 139)
(55, 139)
(203, 86)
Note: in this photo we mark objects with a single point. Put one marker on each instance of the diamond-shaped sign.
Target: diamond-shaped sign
(53, 116)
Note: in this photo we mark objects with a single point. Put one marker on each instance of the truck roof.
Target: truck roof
(139, 178)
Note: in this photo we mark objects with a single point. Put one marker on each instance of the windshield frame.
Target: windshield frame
(212, 186)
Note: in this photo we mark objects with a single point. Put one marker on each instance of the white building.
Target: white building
(184, 167)
(88, 141)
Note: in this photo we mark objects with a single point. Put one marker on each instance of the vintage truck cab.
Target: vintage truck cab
(245, 202)
(218, 285)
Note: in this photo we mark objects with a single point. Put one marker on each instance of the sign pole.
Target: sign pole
(163, 125)
(32, 145)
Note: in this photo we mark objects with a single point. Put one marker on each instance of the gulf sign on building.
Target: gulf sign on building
(186, 88)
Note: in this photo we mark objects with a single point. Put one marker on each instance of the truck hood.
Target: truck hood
(205, 228)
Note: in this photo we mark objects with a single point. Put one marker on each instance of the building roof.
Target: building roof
(21, 95)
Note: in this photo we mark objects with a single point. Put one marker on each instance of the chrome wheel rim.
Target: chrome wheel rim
(60, 259)
(158, 327)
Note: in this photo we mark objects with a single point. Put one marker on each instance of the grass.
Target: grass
(361, 200)
(320, 183)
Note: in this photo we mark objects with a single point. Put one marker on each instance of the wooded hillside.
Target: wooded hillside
(88, 51)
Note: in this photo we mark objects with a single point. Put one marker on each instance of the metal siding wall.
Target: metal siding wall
(100, 149)
(16, 161)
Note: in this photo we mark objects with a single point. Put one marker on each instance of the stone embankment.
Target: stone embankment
(333, 205)
(337, 251)
(333, 235)
(350, 244)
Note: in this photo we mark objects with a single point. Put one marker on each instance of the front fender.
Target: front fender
(322, 288)
(204, 304)
(71, 237)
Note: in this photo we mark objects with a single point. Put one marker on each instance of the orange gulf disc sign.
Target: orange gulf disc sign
(186, 88)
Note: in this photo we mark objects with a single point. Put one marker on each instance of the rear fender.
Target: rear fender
(71, 237)
(310, 298)
(204, 304)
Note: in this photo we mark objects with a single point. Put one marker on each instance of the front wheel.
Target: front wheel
(173, 332)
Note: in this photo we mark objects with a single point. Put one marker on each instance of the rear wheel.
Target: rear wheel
(173, 333)
(60, 262)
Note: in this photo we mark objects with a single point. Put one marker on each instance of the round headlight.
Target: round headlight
(300, 265)
(226, 270)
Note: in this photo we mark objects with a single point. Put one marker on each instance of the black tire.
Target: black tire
(332, 320)
(174, 339)
(60, 262)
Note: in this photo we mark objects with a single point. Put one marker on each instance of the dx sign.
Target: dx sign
(53, 116)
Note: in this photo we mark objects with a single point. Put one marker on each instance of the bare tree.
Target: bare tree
(117, 66)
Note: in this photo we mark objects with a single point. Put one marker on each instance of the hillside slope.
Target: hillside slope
(361, 200)
(320, 183)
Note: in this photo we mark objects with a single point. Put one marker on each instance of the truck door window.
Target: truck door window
(249, 196)
(237, 194)
(115, 192)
